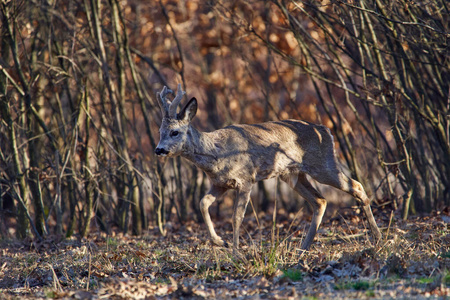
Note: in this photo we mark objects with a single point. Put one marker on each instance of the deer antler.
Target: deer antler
(162, 100)
(168, 108)
(176, 101)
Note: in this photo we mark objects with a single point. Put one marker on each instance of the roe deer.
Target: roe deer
(237, 156)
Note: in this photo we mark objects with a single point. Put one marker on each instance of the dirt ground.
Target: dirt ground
(412, 262)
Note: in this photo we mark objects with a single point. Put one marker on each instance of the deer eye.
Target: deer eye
(174, 133)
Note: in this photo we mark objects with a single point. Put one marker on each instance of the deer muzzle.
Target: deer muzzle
(161, 151)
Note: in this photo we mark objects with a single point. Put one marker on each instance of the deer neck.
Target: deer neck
(200, 148)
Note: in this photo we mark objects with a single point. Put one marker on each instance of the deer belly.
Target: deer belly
(280, 167)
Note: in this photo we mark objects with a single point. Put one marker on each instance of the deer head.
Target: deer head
(174, 127)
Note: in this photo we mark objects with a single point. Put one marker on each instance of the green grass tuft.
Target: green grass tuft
(357, 286)
(293, 274)
(112, 243)
(446, 278)
(426, 280)
(370, 293)
(445, 254)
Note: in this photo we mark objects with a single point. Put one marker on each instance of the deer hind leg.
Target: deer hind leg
(317, 202)
(354, 188)
(205, 203)
(240, 206)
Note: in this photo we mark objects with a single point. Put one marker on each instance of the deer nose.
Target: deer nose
(160, 151)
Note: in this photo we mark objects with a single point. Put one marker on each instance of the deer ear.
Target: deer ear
(189, 111)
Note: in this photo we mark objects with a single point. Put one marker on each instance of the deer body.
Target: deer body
(237, 156)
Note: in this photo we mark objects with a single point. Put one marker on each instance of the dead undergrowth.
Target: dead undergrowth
(412, 261)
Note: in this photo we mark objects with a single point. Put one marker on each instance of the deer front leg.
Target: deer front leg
(240, 206)
(205, 203)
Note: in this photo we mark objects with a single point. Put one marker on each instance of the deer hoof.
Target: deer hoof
(219, 242)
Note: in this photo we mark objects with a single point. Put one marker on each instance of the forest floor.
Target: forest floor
(411, 262)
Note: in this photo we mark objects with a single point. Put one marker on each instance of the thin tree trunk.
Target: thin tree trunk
(88, 186)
